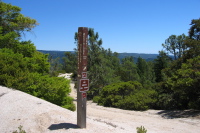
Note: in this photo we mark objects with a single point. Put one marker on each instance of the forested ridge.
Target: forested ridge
(166, 82)
(61, 54)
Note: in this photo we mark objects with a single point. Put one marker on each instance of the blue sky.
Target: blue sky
(132, 26)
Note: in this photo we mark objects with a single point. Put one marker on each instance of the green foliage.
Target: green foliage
(141, 100)
(15, 64)
(22, 67)
(146, 72)
(141, 129)
(96, 99)
(179, 88)
(13, 21)
(20, 130)
(175, 45)
(70, 62)
(185, 84)
(126, 95)
(55, 67)
(18, 73)
(165, 98)
(161, 62)
(68, 103)
(128, 70)
(7, 40)
(193, 49)
(195, 29)
(102, 64)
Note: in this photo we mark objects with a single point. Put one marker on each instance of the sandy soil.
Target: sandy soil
(39, 116)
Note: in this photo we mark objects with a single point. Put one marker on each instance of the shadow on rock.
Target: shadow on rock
(171, 114)
(62, 126)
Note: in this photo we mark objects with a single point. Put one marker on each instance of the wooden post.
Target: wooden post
(83, 82)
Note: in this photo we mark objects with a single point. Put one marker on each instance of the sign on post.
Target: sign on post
(84, 95)
(83, 82)
(84, 75)
(84, 85)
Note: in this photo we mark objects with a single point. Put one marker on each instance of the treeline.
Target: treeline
(58, 59)
(53, 54)
(22, 67)
(164, 83)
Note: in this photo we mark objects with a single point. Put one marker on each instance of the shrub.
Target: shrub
(141, 100)
(141, 129)
(96, 99)
(20, 130)
(68, 104)
(127, 95)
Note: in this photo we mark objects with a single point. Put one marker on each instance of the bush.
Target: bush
(28, 74)
(126, 95)
(141, 129)
(96, 99)
(68, 104)
(141, 100)
(52, 89)
(20, 130)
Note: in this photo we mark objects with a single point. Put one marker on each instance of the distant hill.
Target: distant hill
(147, 57)
(60, 54)
(55, 54)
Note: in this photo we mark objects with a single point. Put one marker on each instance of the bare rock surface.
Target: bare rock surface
(39, 116)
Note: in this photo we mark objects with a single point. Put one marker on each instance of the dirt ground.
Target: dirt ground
(39, 116)
(155, 121)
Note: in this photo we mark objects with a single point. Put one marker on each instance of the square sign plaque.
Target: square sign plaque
(84, 85)
(84, 75)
